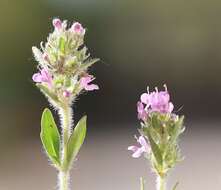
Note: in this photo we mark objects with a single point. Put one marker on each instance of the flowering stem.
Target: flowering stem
(141, 183)
(66, 119)
(161, 183)
(63, 63)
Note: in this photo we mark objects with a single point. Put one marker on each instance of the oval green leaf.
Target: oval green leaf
(76, 140)
(50, 137)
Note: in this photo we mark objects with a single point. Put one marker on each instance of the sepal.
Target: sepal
(155, 150)
(46, 91)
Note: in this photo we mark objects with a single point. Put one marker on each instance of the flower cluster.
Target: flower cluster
(160, 130)
(154, 102)
(63, 63)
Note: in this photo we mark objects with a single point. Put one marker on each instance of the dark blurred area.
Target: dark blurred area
(139, 43)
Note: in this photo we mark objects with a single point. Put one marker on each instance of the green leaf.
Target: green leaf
(155, 149)
(76, 140)
(50, 136)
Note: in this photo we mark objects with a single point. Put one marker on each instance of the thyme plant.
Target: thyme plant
(63, 63)
(159, 134)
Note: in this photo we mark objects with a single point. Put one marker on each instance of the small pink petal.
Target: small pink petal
(84, 83)
(142, 141)
(85, 80)
(77, 28)
(133, 148)
(137, 153)
(91, 87)
(144, 98)
(66, 93)
(142, 114)
(171, 107)
(37, 77)
(46, 77)
(144, 145)
(140, 107)
(57, 23)
(44, 74)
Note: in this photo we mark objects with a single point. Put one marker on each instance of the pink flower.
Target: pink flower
(157, 101)
(66, 93)
(57, 23)
(77, 28)
(42, 77)
(138, 151)
(142, 114)
(145, 98)
(84, 83)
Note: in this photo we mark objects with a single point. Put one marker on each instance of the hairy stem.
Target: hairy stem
(161, 183)
(66, 120)
(63, 180)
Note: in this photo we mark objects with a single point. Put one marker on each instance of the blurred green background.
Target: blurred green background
(140, 43)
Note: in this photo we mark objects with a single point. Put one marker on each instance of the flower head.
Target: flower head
(156, 101)
(57, 23)
(65, 61)
(84, 83)
(160, 130)
(43, 77)
(139, 150)
(77, 28)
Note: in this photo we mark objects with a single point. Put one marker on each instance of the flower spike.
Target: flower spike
(160, 130)
(63, 64)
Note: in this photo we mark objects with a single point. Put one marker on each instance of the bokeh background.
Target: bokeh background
(140, 43)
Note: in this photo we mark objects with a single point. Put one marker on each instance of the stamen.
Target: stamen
(165, 86)
(148, 89)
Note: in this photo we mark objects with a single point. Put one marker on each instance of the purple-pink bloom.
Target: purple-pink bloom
(145, 98)
(77, 28)
(157, 101)
(43, 77)
(66, 93)
(141, 112)
(139, 150)
(84, 83)
(57, 23)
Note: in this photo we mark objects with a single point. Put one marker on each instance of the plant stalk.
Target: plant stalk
(161, 182)
(63, 180)
(141, 183)
(66, 121)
